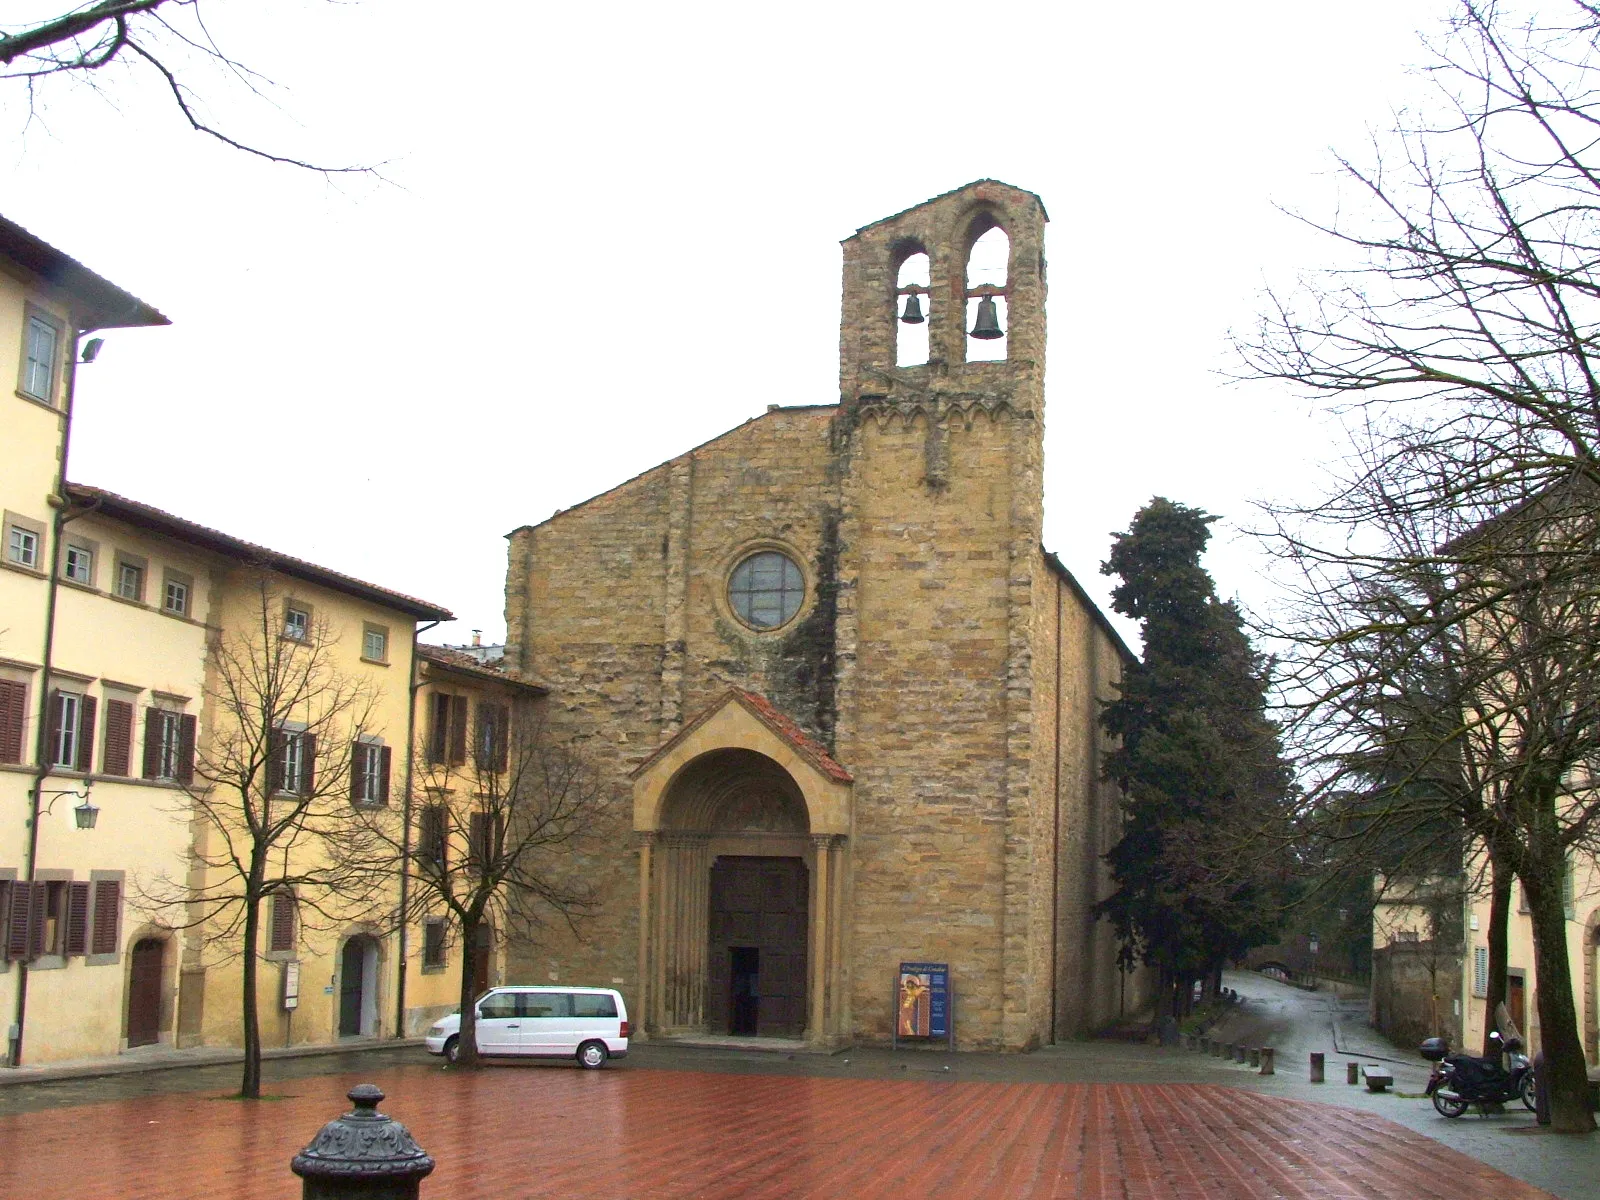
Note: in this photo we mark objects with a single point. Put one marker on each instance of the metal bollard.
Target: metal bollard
(1216, 1049)
(1255, 1056)
(1352, 1072)
(362, 1153)
(1268, 1054)
(1191, 1042)
(1239, 1053)
(1317, 1066)
(1227, 1051)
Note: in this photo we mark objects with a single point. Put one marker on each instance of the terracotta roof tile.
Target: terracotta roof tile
(764, 711)
(456, 660)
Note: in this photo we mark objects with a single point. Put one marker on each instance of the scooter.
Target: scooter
(1461, 1080)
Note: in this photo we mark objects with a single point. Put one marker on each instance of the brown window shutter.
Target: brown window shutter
(458, 730)
(478, 840)
(39, 906)
(186, 728)
(86, 733)
(107, 934)
(438, 727)
(383, 775)
(55, 727)
(433, 943)
(282, 937)
(77, 918)
(115, 756)
(435, 836)
(358, 774)
(152, 742)
(502, 736)
(308, 764)
(18, 918)
(13, 712)
(274, 762)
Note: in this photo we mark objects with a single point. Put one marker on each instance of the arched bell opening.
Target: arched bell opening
(913, 303)
(988, 318)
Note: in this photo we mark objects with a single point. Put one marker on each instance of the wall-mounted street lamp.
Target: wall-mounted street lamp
(85, 814)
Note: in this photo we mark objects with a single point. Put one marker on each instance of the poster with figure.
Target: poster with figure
(922, 1008)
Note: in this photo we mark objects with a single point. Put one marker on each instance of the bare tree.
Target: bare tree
(165, 39)
(270, 799)
(1458, 539)
(502, 822)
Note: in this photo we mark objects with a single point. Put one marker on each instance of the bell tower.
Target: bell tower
(965, 315)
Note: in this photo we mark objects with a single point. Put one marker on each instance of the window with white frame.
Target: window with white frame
(130, 578)
(42, 342)
(296, 622)
(294, 764)
(369, 773)
(66, 713)
(78, 563)
(375, 643)
(22, 547)
(175, 594)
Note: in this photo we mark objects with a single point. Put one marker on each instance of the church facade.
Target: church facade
(848, 701)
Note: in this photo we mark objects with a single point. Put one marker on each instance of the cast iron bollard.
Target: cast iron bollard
(1541, 1091)
(1352, 1072)
(1227, 1051)
(1317, 1066)
(1267, 1056)
(1238, 1053)
(1255, 1056)
(364, 1154)
(1205, 1045)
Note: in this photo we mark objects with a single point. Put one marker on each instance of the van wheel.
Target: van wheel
(452, 1047)
(592, 1055)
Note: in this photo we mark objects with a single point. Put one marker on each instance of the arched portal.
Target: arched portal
(741, 822)
(358, 987)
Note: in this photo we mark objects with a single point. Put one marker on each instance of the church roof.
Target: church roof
(953, 191)
(769, 715)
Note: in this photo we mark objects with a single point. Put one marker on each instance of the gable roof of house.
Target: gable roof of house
(769, 715)
(145, 516)
(945, 195)
(101, 303)
(465, 664)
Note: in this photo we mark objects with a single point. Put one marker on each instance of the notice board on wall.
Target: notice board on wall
(923, 1009)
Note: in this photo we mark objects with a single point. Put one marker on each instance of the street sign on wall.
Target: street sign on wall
(922, 1008)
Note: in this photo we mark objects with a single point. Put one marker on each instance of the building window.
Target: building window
(433, 837)
(280, 939)
(107, 916)
(766, 589)
(175, 594)
(1480, 970)
(13, 719)
(369, 774)
(71, 730)
(296, 623)
(494, 728)
(375, 643)
(116, 755)
(168, 745)
(78, 564)
(130, 578)
(292, 765)
(22, 547)
(433, 944)
(447, 729)
(41, 349)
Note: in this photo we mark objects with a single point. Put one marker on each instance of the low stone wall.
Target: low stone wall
(1414, 986)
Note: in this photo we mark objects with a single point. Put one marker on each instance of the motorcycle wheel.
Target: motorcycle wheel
(1525, 1090)
(1449, 1105)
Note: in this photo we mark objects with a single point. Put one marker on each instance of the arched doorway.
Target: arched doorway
(743, 825)
(358, 987)
(144, 992)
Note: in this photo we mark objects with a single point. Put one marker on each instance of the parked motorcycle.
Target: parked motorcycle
(1461, 1080)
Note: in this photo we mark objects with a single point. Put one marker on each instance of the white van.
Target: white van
(589, 1024)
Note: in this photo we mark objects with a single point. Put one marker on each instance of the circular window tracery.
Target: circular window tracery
(766, 589)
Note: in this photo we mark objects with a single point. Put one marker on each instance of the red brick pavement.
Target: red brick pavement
(533, 1131)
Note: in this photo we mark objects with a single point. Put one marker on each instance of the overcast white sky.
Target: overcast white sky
(611, 232)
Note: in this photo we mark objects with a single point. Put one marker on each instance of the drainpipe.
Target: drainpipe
(42, 771)
(405, 834)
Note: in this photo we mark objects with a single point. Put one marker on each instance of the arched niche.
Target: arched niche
(913, 302)
(988, 286)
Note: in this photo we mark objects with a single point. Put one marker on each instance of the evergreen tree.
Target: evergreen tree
(1200, 764)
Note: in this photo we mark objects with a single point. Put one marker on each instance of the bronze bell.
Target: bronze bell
(987, 324)
(913, 313)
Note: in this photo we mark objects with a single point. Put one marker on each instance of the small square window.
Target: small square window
(22, 547)
(375, 643)
(79, 564)
(296, 623)
(130, 581)
(177, 594)
(41, 349)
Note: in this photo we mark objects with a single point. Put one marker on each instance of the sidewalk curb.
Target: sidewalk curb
(201, 1056)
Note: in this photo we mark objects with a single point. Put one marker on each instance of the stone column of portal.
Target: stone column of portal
(819, 938)
(836, 908)
(697, 891)
(646, 843)
(662, 933)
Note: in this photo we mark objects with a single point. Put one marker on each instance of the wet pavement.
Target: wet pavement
(1091, 1119)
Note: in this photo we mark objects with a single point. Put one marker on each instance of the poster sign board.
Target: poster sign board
(291, 986)
(922, 1008)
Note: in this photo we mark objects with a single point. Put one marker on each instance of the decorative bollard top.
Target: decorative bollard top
(363, 1144)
